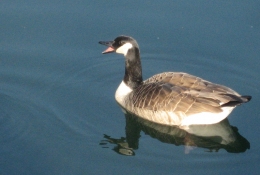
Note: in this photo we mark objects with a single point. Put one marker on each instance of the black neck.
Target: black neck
(133, 68)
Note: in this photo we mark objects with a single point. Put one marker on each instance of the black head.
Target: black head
(120, 45)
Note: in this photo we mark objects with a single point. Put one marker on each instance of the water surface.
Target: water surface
(58, 114)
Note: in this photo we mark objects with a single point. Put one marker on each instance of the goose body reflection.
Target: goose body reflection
(211, 137)
(170, 98)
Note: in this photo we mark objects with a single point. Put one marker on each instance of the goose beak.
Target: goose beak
(110, 48)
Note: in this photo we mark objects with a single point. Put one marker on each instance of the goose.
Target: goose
(170, 98)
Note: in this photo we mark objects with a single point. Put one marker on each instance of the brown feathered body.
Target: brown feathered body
(176, 98)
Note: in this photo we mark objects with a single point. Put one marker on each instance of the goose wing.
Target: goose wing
(191, 82)
(184, 93)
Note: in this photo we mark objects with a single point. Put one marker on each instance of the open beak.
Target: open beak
(110, 48)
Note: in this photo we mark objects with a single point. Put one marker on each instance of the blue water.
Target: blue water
(58, 114)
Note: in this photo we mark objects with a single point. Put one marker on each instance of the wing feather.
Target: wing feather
(181, 92)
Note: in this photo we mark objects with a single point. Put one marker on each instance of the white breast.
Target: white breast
(122, 92)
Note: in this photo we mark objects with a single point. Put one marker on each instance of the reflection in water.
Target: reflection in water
(122, 145)
(212, 137)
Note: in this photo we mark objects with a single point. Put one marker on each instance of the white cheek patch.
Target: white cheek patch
(124, 48)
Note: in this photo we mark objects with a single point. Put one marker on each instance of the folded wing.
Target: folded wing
(181, 92)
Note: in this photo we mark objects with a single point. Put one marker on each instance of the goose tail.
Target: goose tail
(237, 101)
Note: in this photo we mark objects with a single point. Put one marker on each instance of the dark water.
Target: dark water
(57, 109)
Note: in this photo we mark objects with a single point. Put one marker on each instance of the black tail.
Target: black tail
(238, 100)
(247, 98)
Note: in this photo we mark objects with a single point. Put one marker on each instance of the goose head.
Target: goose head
(129, 48)
(120, 45)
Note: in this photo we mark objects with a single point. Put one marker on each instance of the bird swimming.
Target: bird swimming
(170, 98)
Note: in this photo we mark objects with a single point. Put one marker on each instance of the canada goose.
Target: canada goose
(170, 98)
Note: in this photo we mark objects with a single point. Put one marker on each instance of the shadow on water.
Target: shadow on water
(211, 137)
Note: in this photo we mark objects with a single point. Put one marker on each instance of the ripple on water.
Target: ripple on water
(15, 120)
(25, 120)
